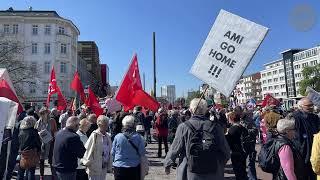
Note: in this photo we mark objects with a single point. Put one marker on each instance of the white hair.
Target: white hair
(28, 122)
(72, 122)
(202, 106)
(299, 104)
(128, 121)
(102, 120)
(285, 124)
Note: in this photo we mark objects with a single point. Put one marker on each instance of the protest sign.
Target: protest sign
(228, 49)
(314, 96)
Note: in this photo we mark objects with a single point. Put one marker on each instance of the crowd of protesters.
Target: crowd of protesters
(80, 145)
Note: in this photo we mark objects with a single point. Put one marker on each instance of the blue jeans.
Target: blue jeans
(251, 166)
(30, 173)
(67, 176)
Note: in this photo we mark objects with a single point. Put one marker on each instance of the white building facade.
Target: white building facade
(281, 78)
(248, 87)
(169, 93)
(49, 40)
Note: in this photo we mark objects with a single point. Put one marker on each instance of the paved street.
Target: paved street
(157, 171)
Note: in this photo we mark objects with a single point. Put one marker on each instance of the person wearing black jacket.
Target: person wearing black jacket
(67, 149)
(28, 140)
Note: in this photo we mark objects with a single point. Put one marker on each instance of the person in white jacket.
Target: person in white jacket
(97, 157)
(83, 128)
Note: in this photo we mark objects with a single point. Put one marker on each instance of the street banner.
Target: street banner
(112, 105)
(227, 51)
(8, 111)
(269, 100)
(314, 96)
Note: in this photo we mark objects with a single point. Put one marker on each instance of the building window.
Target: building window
(15, 29)
(298, 75)
(47, 30)
(304, 64)
(282, 78)
(270, 88)
(63, 49)
(47, 48)
(63, 67)
(297, 83)
(61, 30)
(263, 75)
(269, 80)
(276, 87)
(274, 72)
(32, 88)
(275, 79)
(269, 73)
(297, 66)
(34, 48)
(6, 29)
(276, 94)
(264, 82)
(47, 67)
(33, 67)
(34, 29)
(264, 88)
(283, 94)
(45, 86)
(314, 62)
(280, 70)
(282, 86)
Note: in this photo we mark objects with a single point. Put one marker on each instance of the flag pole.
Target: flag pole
(202, 94)
(154, 67)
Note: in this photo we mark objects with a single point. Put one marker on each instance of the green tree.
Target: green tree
(311, 78)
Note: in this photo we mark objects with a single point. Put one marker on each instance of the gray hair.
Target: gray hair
(102, 120)
(128, 121)
(28, 122)
(72, 122)
(84, 123)
(92, 118)
(202, 107)
(285, 124)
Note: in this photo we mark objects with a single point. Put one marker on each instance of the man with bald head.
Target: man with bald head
(306, 124)
(67, 149)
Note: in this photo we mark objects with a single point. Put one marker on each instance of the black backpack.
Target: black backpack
(268, 156)
(202, 151)
(247, 140)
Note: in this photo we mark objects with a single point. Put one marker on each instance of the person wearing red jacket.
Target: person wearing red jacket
(162, 130)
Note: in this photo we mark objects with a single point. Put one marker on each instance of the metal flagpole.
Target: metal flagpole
(154, 67)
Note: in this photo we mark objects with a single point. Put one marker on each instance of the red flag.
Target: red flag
(269, 100)
(62, 102)
(93, 103)
(52, 89)
(130, 84)
(144, 99)
(76, 85)
(7, 92)
(130, 92)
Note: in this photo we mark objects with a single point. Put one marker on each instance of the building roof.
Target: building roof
(272, 62)
(294, 49)
(31, 13)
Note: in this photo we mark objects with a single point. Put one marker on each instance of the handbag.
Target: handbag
(29, 158)
(144, 162)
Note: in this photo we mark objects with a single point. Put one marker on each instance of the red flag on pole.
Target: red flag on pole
(93, 103)
(7, 92)
(62, 102)
(269, 101)
(130, 92)
(76, 85)
(52, 89)
(144, 99)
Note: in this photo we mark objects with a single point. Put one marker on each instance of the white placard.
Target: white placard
(228, 49)
(314, 96)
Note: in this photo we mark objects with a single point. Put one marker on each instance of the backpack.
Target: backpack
(202, 150)
(268, 157)
(246, 139)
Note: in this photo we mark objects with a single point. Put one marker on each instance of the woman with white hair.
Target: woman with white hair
(289, 156)
(29, 145)
(97, 157)
(127, 150)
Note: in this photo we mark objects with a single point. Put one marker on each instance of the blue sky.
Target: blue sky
(122, 27)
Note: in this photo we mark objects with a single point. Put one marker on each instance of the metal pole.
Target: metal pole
(154, 67)
(144, 81)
